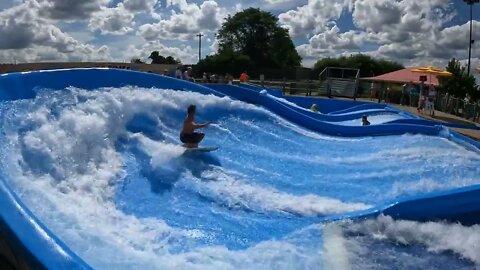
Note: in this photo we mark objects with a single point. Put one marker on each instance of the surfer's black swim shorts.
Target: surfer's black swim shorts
(195, 137)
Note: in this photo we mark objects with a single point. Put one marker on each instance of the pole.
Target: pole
(470, 40)
(200, 46)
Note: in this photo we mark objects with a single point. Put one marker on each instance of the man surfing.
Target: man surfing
(188, 136)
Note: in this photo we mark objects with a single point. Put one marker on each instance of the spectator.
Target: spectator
(373, 91)
(405, 94)
(386, 96)
(413, 95)
(421, 98)
(430, 100)
(187, 74)
(178, 73)
(244, 77)
(229, 78)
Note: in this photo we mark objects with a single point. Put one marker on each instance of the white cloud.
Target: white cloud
(69, 9)
(192, 19)
(408, 31)
(140, 5)
(117, 21)
(314, 16)
(33, 38)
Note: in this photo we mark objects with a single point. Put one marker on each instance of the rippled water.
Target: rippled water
(104, 170)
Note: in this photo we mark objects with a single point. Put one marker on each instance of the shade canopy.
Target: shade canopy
(403, 76)
(431, 70)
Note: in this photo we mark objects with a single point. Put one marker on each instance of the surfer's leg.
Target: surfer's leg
(197, 137)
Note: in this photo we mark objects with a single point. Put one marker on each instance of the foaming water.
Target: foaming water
(443, 241)
(375, 119)
(104, 170)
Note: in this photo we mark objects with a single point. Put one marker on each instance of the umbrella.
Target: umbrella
(431, 70)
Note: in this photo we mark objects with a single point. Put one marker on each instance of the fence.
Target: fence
(458, 107)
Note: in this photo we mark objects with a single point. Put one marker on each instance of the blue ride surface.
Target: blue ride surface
(101, 174)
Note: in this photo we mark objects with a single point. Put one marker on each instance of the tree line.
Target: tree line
(369, 67)
(158, 59)
(460, 84)
(253, 40)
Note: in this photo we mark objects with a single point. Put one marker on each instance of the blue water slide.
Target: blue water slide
(42, 249)
(362, 107)
(455, 205)
(30, 239)
(325, 105)
(346, 116)
(306, 119)
(23, 85)
(272, 91)
(433, 123)
(339, 117)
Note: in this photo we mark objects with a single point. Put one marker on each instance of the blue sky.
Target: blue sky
(408, 31)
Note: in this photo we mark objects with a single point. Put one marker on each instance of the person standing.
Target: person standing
(244, 77)
(178, 73)
(405, 92)
(373, 91)
(187, 75)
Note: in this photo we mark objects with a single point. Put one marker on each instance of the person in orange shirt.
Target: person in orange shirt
(243, 77)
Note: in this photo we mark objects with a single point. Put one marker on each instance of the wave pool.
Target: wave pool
(104, 171)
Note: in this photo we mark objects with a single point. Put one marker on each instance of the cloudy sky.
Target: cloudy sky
(414, 32)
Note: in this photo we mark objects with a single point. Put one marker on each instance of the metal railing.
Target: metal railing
(459, 107)
(341, 82)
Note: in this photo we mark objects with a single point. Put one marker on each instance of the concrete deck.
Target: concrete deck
(444, 117)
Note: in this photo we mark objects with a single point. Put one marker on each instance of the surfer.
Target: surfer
(188, 136)
(365, 122)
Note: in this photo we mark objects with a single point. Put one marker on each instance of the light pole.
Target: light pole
(200, 46)
(470, 41)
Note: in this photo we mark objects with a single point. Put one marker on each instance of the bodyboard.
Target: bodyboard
(201, 149)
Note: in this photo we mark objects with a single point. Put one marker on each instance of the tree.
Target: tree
(227, 61)
(136, 61)
(460, 83)
(159, 59)
(368, 66)
(257, 35)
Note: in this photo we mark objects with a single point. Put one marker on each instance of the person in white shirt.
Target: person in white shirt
(187, 75)
(430, 102)
(178, 73)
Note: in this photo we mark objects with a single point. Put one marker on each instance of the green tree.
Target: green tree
(227, 61)
(256, 34)
(136, 61)
(460, 83)
(159, 59)
(368, 65)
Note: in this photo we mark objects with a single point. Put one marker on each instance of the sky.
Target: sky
(412, 32)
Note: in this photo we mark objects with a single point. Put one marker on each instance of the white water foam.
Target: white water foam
(63, 163)
(60, 156)
(426, 185)
(236, 193)
(435, 236)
